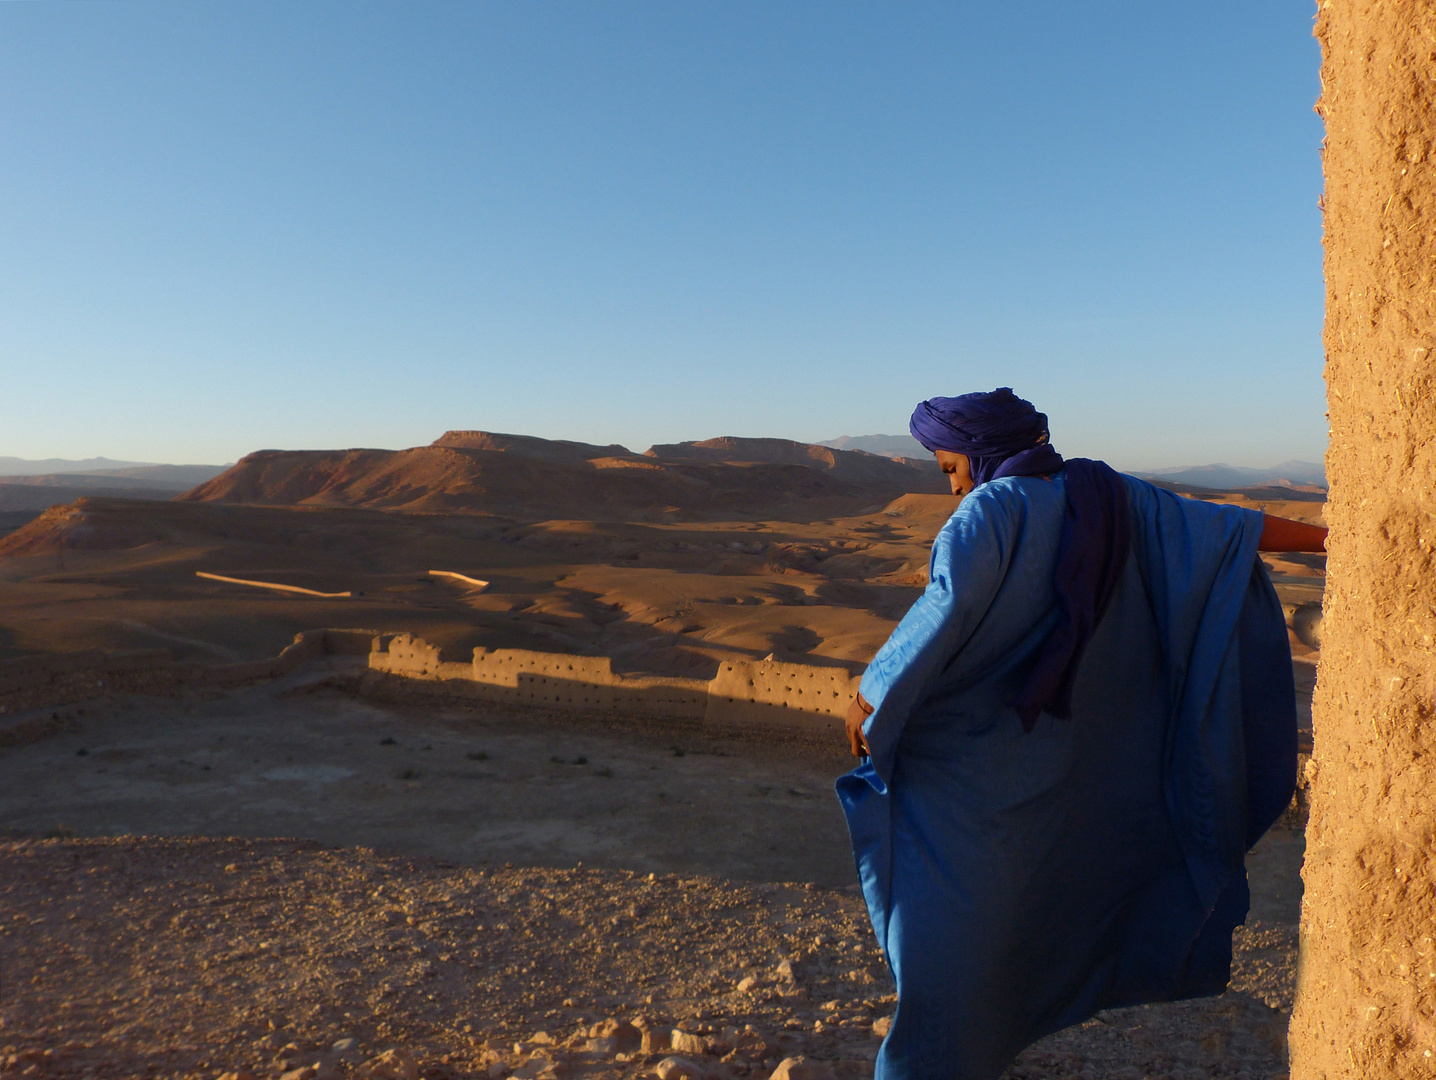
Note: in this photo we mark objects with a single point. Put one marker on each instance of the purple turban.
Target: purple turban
(1003, 435)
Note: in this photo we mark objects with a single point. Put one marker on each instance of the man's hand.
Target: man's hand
(858, 711)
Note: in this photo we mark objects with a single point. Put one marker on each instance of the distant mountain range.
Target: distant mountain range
(14, 466)
(493, 473)
(101, 472)
(460, 471)
(1219, 476)
(1309, 473)
(893, 446)
(28, 487)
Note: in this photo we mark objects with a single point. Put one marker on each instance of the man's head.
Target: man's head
(993, 433)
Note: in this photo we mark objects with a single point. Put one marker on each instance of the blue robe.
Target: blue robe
(1019, 883)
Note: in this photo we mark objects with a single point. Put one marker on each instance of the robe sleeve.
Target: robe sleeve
(969, 561)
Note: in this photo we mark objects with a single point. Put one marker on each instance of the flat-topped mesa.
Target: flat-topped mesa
(559, 450)
(731, 448)
(525, 476)
(851, 466)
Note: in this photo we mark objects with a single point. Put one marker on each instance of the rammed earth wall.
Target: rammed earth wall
(758, 692)
(1366, 994)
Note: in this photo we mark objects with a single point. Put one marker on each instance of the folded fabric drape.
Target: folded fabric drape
(1020, 882)
(1004, 435)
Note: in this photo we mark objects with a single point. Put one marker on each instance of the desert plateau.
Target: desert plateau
(332, 867)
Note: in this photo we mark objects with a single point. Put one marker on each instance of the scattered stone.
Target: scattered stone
(626, 1036)
(521, 918)
(747, 984)
(802, 1068)
(679, 1068)
(750, 1043)
(685, 1043)
(395, 1064)
(242, 1074)
(534, 1067)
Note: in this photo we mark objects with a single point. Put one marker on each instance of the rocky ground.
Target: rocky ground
(194, 957)
(497, 893)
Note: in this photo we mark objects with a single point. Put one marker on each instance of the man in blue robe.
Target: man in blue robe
(1070, 742)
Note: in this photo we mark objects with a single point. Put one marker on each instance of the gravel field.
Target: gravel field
(417, 940)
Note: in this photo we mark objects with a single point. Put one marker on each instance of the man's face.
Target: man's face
(958, 470)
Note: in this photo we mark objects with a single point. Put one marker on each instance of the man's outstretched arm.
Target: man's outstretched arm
(1282, 534)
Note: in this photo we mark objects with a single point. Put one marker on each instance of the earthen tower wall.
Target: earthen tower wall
(1366, 1002)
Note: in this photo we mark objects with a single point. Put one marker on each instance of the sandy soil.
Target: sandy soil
(297, 758)
(669, 598)
(467, 903)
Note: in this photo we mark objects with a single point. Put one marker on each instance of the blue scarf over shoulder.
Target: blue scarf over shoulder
(1003, 435)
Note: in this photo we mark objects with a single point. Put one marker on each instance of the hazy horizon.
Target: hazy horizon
(101, 462)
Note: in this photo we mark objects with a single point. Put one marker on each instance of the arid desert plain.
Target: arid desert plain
(329, 870)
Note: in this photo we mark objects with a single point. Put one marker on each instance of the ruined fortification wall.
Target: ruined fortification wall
(770, 692)
(1366, 1001)
(548, 680)
(762, 692)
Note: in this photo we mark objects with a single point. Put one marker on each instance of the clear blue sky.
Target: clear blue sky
(232, 226)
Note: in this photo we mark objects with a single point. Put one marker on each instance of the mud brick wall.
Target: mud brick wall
(1366, 998)
(761, 692)
(770, 692)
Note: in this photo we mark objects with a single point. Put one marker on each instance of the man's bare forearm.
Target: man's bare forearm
(1283, 534)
